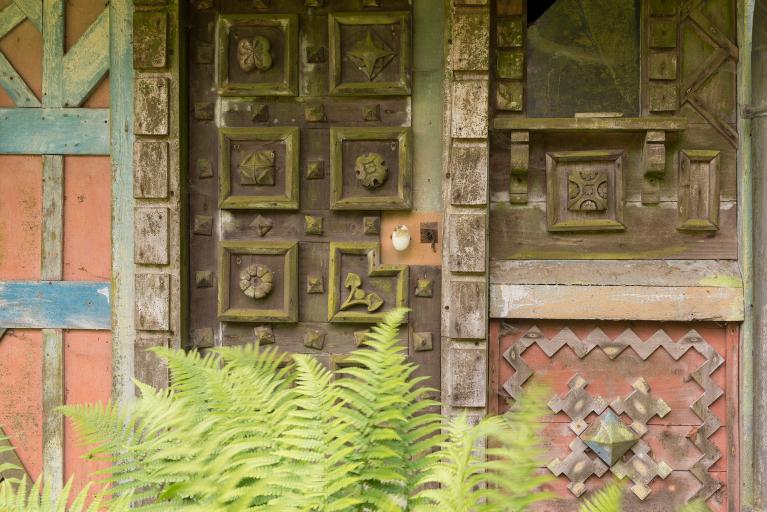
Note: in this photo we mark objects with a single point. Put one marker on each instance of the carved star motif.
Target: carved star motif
(370, 55)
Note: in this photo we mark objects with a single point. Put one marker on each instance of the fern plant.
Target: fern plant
(249, 429)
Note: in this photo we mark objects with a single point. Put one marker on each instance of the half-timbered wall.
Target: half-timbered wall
(60, 71)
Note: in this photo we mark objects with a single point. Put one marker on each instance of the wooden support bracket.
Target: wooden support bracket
(654, 164)
(520, 163)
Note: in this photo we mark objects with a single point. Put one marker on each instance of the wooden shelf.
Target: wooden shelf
(584, 124)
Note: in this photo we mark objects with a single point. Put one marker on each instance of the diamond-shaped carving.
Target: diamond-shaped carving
(203, 225)
(422, 341)
(313, 225)
(642, 469)
(315, 54)
(360, 337)
(259, 112)
(424, 288)
(315, 170)
(315, 114)
(257, 168)
(203, 278)
(315, 339)
(577, 403)
(262, 225)
(370, 55)
(577, 467)
(609, 438)
(372, 113)
(315, 284)
(641, 406)
(587, 191)
(371, 225)
(264, 334)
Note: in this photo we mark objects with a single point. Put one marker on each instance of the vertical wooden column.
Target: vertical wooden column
(158, 226)
(465, 192)
(52, 249)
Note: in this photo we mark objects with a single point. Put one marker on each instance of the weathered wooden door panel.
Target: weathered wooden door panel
(669, 389)
(300, 138)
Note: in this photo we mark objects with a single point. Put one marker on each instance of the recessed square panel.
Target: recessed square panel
(258, 282)
(259, 168)
(370, 169)
(370, 53)
(361, 290)
(256, 55)
(584, 190)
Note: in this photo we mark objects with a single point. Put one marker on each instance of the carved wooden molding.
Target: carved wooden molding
(338, 278)
(278, 82)
(288, 308)
(699, 190)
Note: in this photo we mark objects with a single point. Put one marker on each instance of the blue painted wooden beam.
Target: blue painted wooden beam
(54, 131)
(55, 305)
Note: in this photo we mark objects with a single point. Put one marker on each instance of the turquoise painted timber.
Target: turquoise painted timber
(55, 305)
(54, 131)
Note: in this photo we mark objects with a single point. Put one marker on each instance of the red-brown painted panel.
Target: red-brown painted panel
(680, 362)
(21, 399)
(20, 216)
(87, 218)
(87, 379)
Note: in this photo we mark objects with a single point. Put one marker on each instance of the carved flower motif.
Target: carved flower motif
(371, 170)
(254, 54)
(256, 281)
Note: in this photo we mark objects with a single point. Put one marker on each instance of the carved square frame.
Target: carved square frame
(400, 87)
(289, 25)
(289, 312)
(402, 200)
(687, 158)
(289, 201)
(375, 269)
(553, 190)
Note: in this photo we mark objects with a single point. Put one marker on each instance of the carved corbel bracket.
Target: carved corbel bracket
(520, 163)
(654, 164)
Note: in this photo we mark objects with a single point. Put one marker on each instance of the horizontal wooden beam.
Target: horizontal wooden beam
(580, 124)
(54, 131)
(663, 273)
(55, 305)
(655, 303)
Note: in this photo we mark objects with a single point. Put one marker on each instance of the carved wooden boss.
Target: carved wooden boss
(614, 139)
(300, 136)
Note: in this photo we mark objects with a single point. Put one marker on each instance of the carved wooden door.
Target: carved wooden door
(300, 136)
(613, 162)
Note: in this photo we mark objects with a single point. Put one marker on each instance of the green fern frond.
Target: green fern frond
(609, 499)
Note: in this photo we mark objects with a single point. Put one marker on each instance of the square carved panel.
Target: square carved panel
(361, 290)
(370, 169)
(699, 190)
(584, 190)
(259, 168)
(257, 55)
(258, 282)
(370, 53)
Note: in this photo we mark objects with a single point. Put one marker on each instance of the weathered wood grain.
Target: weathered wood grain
(616, 302)
(577, 124)
(57, 304)
(664, 273)
(54, 131)
(520, 233)
(86, 63)
(53, 398)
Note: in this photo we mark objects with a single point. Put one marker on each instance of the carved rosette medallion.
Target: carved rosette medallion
(254, 54)
(256, 281)
(587, 191)
(370, 55)
(371, 170)
(257, 168)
